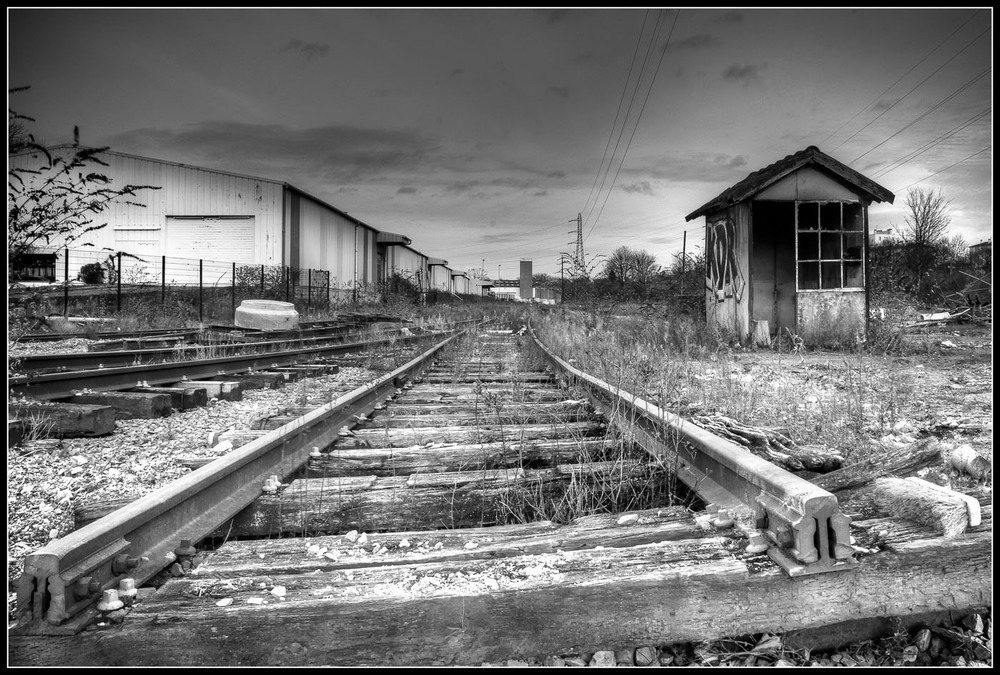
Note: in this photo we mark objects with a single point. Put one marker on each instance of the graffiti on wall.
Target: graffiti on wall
(724, 276)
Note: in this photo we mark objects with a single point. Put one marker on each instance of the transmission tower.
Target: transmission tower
(579, 262)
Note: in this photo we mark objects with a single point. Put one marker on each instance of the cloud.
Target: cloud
(406, 191)
(700, 41)
(730, 17)
(556, 174)
(554, 15)
(542, 193)
(561, 92)
(336, 153)
(456, 72)
(641, 187)
(883, 105)
(307, 49)
(745, 74)
(696, 167)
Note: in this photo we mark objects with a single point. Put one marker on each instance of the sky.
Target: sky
(482, 134)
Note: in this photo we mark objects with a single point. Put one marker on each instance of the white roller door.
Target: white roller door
(227, 239)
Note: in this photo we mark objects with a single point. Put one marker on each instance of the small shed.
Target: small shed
(786, 248)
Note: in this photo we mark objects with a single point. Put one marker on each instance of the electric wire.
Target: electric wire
(636, 126)
(928, 112)
(897, 101)
(621, 100)
(944, 169)
(874, 100)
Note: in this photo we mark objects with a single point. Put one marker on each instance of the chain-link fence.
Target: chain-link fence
(104, 282)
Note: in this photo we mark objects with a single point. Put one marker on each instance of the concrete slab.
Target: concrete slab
(266, 315)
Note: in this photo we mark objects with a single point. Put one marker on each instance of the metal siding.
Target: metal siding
(226, 239)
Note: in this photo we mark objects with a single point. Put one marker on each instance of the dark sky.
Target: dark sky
(482, 133)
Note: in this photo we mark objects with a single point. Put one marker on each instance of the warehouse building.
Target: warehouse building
(398, 259)
(207, 214)
(787, 250)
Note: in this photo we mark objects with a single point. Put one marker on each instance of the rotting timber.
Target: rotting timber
(485, 594)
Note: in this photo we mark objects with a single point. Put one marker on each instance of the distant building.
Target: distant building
(787, 247)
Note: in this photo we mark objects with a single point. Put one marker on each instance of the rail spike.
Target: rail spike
(810, 534)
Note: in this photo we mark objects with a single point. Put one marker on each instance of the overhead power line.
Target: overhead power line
(930, 144)
(928, 112)
(897, 101)
(621, 100)
(944, 169)
(875, 100)
(638, 118)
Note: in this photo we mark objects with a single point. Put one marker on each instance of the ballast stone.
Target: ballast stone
(266, 315)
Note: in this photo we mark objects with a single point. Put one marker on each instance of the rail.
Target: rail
(62, 582)
(810, 533)
(63, 384)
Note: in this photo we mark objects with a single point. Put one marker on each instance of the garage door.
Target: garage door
(227, 239)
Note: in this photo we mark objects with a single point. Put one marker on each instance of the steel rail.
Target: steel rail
(62, 582)
(810, 533)
(57, 385)
(116, 359)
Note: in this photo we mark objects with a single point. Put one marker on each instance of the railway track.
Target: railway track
(122, 369)
(438, 516)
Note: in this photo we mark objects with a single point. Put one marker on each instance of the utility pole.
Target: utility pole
(683, 261)
(562, 279)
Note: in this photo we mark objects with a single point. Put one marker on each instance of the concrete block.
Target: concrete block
(266, 315)
(257, 380)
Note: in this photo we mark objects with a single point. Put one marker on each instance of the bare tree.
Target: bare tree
(618, 266)
(55, 198)
(926, 219)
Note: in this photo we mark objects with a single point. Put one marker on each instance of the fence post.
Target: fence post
(66, 287)
(309, 295)
(118, 271)
(288, 273)
(328, 288)
(292, 279)
(234, 292)
(201, 286)
(262, 280)
(163, 280)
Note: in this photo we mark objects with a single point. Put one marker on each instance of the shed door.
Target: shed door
(772, 267)
(229, 239)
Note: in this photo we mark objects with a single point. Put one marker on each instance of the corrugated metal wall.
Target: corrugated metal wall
(326, 240)
(184, 191)
(406, 262)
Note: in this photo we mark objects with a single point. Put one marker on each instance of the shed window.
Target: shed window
(829, 245)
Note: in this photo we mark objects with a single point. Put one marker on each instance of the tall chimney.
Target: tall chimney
(525, 290)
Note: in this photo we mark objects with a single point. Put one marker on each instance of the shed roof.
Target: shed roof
(758, 180)
(436, 261)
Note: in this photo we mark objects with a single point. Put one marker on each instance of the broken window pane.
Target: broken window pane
(853, 217)
(808, 275)
(831, 274)
(830, 245)
(854, 275)
(808, 216)
(829, 216)
(808, 246)
(853, 243)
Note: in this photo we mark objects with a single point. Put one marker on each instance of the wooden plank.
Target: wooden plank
(524, 606)
(67, 420)
(453, 457)
(127, 405)
(379, 438)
